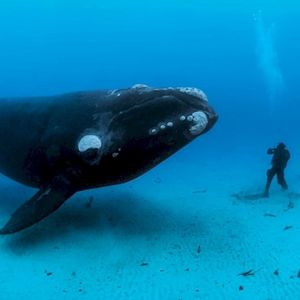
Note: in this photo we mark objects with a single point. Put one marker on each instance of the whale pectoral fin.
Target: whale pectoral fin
(42, 204)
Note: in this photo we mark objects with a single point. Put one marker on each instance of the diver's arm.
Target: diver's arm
(271, 151)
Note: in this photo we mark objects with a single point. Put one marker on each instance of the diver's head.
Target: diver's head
(281, 146)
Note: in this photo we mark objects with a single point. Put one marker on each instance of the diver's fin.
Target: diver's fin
(42, 204)
(243, 196)
(255, 196)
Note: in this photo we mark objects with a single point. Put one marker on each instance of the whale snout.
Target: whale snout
(193, 92)
(183, 109)
(203, 116)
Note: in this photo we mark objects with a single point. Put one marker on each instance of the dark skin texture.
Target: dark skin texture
(281, 156)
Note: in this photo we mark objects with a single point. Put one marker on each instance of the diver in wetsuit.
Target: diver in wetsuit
(281, 155)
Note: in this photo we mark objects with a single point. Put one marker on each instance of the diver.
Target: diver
(280, 158)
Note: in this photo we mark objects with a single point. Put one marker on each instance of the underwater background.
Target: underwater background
(179, 231)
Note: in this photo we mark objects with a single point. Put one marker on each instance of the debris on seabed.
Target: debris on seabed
(48, 273)
(199, 249)
(269, 215)
(247, 273)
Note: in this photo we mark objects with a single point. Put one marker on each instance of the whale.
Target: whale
(68, 143)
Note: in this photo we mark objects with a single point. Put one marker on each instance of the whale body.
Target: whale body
(78, 141)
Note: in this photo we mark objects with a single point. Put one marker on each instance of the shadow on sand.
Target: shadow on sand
(123, 213)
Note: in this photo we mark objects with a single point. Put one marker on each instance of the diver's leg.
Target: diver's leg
(270, 174)
(281, 179)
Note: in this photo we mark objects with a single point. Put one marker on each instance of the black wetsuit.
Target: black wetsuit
(279, 162)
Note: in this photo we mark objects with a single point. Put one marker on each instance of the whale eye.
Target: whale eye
(89, 142)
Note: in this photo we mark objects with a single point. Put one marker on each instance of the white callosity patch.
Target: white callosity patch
(194, 92)
(140, 86)
(200, 122)
(153, 131)
(89, 141)
(115, 92)
(161, 127)
(116, 153)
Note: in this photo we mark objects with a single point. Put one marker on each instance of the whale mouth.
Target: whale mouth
(197, 121)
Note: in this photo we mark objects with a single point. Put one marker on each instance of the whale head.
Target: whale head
(147, 125)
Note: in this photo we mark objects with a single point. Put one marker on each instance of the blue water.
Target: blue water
(243, 54)
(48, 47)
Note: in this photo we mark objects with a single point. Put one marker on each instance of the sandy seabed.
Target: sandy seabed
(181, 231)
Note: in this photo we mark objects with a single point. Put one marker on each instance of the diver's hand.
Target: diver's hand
(271, 151)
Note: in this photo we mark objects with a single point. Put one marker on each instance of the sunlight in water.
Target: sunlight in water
(267, 58)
